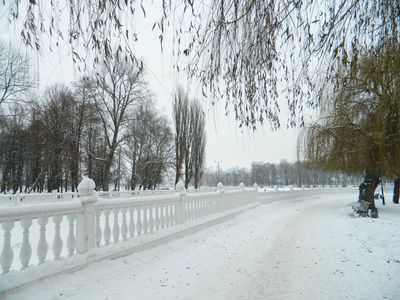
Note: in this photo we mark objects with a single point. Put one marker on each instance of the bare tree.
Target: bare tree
(198, 142)
(149, 147)
(181, 123)
(15, 79)
(115, 89)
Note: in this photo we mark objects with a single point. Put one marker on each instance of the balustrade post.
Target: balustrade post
(26, 248)
(71, 241)
(54, 196)
(139, 221)
(181, 207)
(57, 243)
(99, 231)
(220, 189)
(145, 222)
(42, 245)
(156, 217)
(85, 233)
(131, 222)
(107, 229)
(151, 219)
(116, 229)
(7, 253)
(124, 225)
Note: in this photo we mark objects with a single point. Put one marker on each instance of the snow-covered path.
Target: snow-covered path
(293, 249)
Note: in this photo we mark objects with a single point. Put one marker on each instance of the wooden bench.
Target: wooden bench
(361, 208)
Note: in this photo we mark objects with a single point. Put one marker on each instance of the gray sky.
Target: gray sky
(225, 141)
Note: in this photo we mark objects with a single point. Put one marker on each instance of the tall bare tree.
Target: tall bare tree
(149, 147)
(198, 141)
(115, 89)
(181, 124)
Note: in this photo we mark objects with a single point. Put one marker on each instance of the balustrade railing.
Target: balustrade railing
(23, 199)
(72, 227)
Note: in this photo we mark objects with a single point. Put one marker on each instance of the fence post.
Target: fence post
(242, 201)
(54, 198)
(220, 189)
(85, 230)
(181, 209)
(256, 189)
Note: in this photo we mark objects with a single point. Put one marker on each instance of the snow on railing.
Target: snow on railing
(74, 227)
(23, 199)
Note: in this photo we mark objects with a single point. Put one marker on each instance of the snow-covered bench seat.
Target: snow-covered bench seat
(361, 208)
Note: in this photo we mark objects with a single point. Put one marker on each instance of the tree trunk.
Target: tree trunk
(107, 171)
(396, 187)
(367, 188)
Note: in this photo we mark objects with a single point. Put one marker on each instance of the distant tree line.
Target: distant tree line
(104, 126)
(282, 174)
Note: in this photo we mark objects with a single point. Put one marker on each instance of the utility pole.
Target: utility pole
(218, 174)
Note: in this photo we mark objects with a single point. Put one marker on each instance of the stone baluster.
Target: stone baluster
(139, 221)
(131, 222)
(99, 231)
(107, 228)
(195, 209)
(71, 241)
(57, 242)
(26, 248)
(157, 217)
(151, 219)
(201, 209)
(166, 215)
(42, 245)
(172, 214)
(187, 211)
(145, 221)
(85, 222)
(124, 225)
(162, 216)
(116, 225)
(7, 253)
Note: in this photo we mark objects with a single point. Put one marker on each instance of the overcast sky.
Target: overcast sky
(226, 143)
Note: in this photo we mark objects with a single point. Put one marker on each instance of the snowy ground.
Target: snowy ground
(304, 248)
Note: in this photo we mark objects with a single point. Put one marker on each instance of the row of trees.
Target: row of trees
(282, 174)
(190, 139)
(104, 126)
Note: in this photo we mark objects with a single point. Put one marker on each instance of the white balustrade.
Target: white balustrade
(88, 223)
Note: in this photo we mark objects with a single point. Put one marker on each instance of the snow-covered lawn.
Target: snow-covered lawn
(304, 248)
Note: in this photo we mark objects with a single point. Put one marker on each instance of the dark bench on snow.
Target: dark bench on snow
(361, 208)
